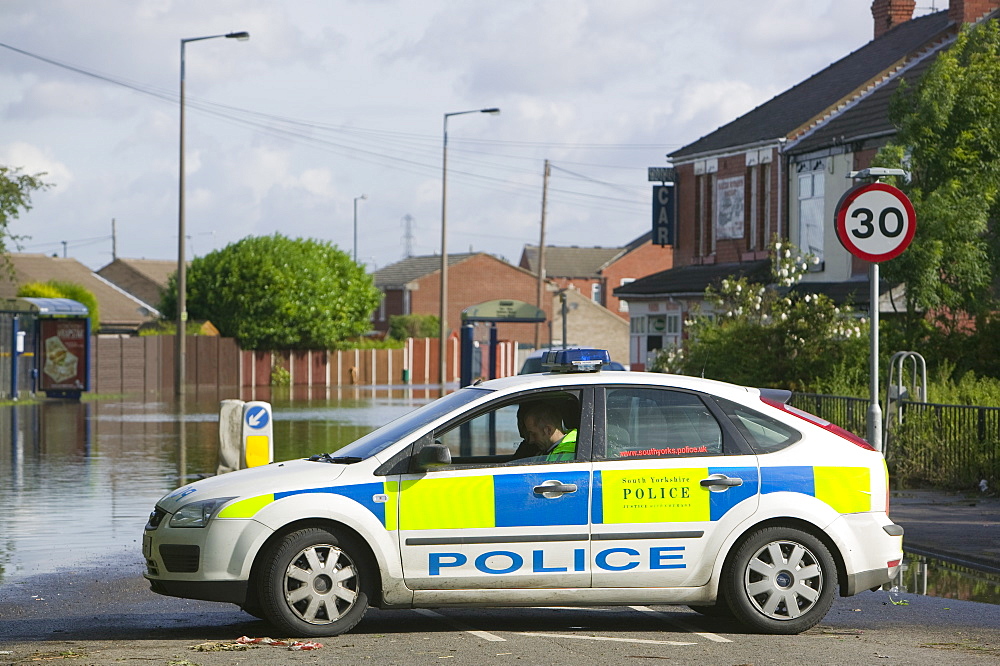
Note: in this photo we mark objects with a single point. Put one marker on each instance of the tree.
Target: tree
(274, 292)
(949, 140)
(15, 197)
(71, 290)
(769, 336)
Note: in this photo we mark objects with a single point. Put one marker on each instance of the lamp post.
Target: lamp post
(181, 345)
(356, 199)
(443, 342)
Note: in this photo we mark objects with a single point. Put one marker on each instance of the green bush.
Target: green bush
(771, 336)
(58, 289)
(280, 376)
(368, 343)
(942, 450)
(414, 326)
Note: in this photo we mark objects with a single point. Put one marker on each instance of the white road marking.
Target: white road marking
(485, 635)
(680, 624)
(605, 638)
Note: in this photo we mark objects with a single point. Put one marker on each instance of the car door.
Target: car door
(488, 520)
(671, 480)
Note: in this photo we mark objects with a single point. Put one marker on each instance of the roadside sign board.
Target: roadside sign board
(661, 174)
(257, 435)
(875, 222)
(663, 215)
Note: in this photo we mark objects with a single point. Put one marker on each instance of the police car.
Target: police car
(677, 490)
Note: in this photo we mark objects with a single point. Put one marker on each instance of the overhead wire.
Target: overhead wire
(405, 151)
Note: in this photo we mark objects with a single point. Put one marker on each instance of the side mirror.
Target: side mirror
(433, 456)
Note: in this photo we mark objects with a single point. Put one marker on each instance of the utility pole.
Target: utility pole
(541, 252)
(114, 241)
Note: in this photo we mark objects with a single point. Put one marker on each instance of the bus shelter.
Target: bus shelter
(491, 312)
(46, 345)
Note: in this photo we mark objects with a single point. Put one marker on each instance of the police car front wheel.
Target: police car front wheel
(781, 581)
(315, 583)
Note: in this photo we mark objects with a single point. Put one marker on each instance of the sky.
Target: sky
(331, 100)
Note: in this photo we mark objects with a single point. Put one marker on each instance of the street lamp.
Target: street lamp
(181, 345)
(443, 342)
(356, 199)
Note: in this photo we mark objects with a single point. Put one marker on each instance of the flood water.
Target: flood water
(78, 480)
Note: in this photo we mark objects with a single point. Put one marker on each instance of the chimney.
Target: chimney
(970, 11)
(890, 13)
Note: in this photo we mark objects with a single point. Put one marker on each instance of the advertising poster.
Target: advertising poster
(729, 209)
(64, 354)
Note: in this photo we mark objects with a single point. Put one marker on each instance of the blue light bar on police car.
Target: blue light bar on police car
(575, 360)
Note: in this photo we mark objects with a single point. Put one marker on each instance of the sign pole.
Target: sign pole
(874, 409)
(875, 222)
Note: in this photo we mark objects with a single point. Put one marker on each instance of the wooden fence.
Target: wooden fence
(134, 365)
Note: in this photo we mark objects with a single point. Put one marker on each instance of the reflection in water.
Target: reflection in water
(935, 578)
(77, 480)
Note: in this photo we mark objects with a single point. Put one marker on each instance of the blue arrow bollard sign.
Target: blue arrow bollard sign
(257, 417)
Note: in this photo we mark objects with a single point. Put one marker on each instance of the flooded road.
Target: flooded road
(78, 480)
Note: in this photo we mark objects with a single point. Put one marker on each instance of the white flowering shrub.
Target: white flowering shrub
(769, 335)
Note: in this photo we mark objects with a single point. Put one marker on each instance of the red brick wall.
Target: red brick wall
(640, 262)
(887, 14)
(476, 280)
(687, 192)
(393, 305)
(581, 285)
(727, 250)
(970, 11)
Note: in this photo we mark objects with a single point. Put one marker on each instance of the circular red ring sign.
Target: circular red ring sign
(875, 222)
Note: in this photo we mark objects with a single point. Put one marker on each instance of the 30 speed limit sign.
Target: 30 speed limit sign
(875, 222)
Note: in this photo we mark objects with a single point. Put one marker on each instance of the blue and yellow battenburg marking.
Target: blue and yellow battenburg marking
(373, 496)
(845, 489)
(620, 496)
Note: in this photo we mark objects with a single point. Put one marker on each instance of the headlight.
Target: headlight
(197, 514)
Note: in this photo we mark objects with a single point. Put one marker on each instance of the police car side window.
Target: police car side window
(497, 436)
(659, 423)
(763, 433)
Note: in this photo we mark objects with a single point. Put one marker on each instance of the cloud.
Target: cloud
(31, 159)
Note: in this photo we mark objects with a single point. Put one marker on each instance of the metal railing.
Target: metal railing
(948, 446)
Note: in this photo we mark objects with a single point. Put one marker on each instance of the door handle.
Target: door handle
(721, 480)
(552, 489)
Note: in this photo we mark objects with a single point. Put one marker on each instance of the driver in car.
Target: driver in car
(545, 436)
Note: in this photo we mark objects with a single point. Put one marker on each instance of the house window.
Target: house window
(811, 184)
(673, 324)
(704, 236)
(595, 292)
(637, 325)
(765, 182)
(754, 173)
(759, 189)
(622, 303)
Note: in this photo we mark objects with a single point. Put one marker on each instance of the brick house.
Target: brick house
(119, 311)
(413, 286)
(598, 271)
(146, 279)
(780, 170)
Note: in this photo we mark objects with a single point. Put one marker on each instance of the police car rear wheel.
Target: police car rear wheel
(782, 581)
(315, 583)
